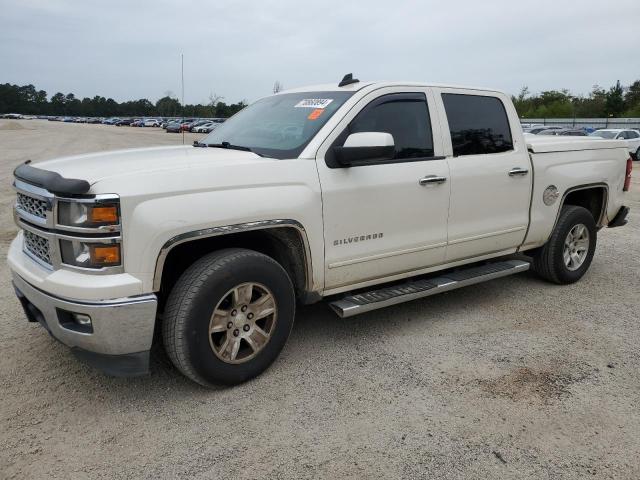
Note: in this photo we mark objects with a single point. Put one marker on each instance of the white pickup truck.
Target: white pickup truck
(363, 194)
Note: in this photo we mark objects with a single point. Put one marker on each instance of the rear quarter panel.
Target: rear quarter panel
(569, 170)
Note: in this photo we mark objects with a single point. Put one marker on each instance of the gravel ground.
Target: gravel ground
(514, 378)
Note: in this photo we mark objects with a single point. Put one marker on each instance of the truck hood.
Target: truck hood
(97, 167)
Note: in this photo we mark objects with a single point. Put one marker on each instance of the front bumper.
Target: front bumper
(119, 337)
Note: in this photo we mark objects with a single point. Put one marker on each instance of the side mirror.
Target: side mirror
(365, 146)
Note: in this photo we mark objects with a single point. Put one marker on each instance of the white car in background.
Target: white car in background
(632, 137)
(151, 122)
(205, 128)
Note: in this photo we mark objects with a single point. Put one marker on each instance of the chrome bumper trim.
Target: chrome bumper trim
(120, 326)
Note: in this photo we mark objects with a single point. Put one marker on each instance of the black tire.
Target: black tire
(548, 261)
(189, 309)
(638, 154)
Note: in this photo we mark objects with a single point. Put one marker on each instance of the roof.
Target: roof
(353, 87)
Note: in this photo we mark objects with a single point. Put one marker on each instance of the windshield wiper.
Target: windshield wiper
(232, 147)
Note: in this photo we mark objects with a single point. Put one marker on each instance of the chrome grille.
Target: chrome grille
(37, 246)
(31, 205)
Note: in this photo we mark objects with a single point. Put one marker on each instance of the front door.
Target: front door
(389, 217)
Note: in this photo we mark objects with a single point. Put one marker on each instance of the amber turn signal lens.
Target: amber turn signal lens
(104, 214)
(105, 254)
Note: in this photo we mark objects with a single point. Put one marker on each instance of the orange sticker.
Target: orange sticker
(315, 114)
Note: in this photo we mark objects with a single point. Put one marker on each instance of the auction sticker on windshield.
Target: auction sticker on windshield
(314, 103)
(315, 114)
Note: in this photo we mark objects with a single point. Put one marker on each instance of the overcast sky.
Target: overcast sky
(238, 49)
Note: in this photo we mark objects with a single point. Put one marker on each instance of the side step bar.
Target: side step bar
(372, 300)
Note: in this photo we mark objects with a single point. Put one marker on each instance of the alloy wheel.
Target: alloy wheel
(242, 322)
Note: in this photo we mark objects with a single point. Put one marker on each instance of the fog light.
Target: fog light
(77, 322)
(82, 319)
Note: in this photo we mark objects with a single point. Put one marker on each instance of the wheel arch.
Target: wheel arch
(594, 197)
(283, 240)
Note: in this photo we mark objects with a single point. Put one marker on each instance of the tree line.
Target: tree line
(28, 100)
(617, 101)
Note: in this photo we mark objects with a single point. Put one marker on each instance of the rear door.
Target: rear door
(491, 175)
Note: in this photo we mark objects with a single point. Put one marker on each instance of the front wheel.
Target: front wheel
(567, 255)
(228, 317)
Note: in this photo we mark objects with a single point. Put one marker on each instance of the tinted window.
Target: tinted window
(632, 134)
(403, 115)
(477, 124)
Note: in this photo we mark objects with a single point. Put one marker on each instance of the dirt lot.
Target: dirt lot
(513, 378)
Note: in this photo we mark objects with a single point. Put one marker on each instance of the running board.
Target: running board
(383, 297)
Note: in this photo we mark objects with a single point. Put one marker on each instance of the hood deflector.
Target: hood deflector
(52, 181)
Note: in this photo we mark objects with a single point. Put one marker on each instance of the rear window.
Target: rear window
(478, 124)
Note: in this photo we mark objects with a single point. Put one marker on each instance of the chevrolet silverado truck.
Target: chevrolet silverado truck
(359, 193)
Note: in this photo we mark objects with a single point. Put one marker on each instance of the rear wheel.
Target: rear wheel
(228, 317)
(567, 255)
(638, 154)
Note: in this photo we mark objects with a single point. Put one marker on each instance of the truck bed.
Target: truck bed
(553, 143)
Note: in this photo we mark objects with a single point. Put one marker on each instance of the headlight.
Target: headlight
(90, 255)
(88, 215)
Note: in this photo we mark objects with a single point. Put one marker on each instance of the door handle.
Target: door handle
(432, 179)
(517, 171)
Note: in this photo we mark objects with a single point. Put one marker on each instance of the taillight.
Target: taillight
(627, 176)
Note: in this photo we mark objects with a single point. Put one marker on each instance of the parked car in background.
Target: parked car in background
(174, 127)
(12, 116)
(94, 120)
(632, 137)
(167, 121)
(572, 132)
(537, 130)
(151, 122)
(111, 121)
(137, 122)
(197, 123)
(124, 121)
(204, 127)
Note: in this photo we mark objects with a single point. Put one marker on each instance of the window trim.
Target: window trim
(447, 131)
(342, 136)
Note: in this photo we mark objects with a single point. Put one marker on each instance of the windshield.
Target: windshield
(603, 134)
(279, 126)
